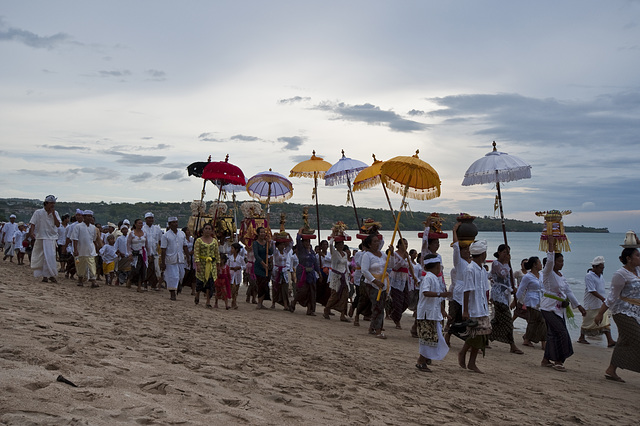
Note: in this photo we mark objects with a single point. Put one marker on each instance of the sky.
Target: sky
(110, 101)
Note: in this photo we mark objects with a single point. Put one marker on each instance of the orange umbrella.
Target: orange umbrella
(314, 167)
(413, 178)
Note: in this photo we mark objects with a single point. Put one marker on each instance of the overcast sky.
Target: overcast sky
(112, 100)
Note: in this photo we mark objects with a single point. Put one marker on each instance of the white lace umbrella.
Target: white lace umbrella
(496, 167)
(345, 171)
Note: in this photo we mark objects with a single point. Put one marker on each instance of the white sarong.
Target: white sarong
(43, 259)
(172, 276)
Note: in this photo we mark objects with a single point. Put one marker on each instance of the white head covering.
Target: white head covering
(478, 247)
(598, 260)
(13, 216)
(78, 211)
(87, 213)
(148, 214)
(111, 225)
(125, 222)
(432, 260)
(124, 226)
(50, 199)
(172, 219)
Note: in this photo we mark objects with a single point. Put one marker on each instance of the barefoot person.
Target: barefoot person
(624, 303)
(261, 267)
(339, 297)
(373, 264)
(401, 281)
(501, 287)
(137, 247)
(307, 272)
(475, 307)
(207, 257)
(556, 309)
(43, 228)
(8, 231)
(85, 239)
(461, 260)
(529, 295)
(593, 299)
(236, 266)
(430, 314)
(173, 252)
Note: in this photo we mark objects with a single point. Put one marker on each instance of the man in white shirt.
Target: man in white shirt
(154, 233)
(124, 263)
(43, 227)
(8, 231)
(475, 307)
(594, 293)
(174, 250)
(84, 249)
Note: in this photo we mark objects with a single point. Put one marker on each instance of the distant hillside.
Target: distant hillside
(114, 212)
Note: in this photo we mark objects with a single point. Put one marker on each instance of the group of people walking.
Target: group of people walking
(292, 273)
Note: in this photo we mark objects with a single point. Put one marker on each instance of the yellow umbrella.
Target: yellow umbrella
(413, 178)
(314, 167)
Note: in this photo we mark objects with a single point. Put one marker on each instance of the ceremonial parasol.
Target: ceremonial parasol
(496, 167)
(345, 170)
(223, 173)
(314, 167)
(413, 178)
(268, 187)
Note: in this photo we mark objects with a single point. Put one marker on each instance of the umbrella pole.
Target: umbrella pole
(315, 182)
(269, 227)
(353, 202)
(504, 230)
(393, 214)
(395, 229)
(215, 215)
(195, 231)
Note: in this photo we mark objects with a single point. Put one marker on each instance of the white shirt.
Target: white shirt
(62, 234)
(154, 234)
(174, 243)
(593, 282)
(460, 266)
(476, 283)
(430, 307)
(530, 290)
(108, 253)
(373, 266)
(236, 276)
(84, 237)
(556, 285)
(46, 229)
(121, 245)
(339, 263)
(8, 231)
(358, 272)
(399, 280)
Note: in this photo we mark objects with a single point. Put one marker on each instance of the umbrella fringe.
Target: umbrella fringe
(416, 194)
(307, 174)
(366, 184)
(503, 175)
(337, 179)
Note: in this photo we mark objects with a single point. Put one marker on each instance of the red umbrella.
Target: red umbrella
(223, 173)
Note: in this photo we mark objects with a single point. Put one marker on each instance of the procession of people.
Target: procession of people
(476, 307)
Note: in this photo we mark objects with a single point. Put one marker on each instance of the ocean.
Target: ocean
(584, 248)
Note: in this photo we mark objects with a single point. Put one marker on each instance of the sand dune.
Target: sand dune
(140, 358)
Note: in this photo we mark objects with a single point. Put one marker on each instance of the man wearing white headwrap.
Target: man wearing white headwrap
(174, 250)
(43, 227)
(154, 233)
(475, 306)
(84, 240)
(8, 231)
(594, 293)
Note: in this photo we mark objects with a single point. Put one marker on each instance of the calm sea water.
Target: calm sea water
(584, 248)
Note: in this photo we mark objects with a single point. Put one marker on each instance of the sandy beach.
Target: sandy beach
(139, 358)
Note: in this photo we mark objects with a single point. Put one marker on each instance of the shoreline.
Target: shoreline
(137, 357)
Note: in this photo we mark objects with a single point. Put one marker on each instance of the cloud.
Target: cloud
(156, 75)
(71, 174)
(294, 100)
(66, 147)
(415, 112)
(174, 175)
(292, 142)
(174, 165)
(114, 73)
(244, 138)
(370, 114)
(589, 205)
(141, 177)
(136, 159)
(610, 118)
(208, 137)
(146, 138)
(33, 40)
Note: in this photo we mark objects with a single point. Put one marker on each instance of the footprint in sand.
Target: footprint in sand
(154, 387)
